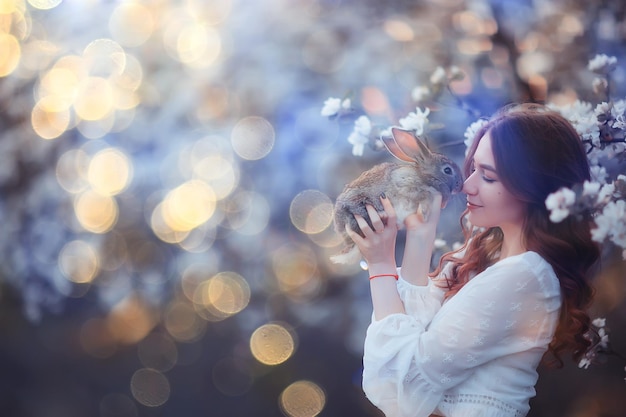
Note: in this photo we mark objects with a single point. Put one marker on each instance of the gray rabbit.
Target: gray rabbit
(407, 184)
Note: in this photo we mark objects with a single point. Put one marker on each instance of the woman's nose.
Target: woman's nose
(469, 186)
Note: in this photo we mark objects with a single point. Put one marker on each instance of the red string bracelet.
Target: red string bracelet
(384, 275)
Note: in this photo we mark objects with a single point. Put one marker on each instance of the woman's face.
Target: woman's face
(490, 204)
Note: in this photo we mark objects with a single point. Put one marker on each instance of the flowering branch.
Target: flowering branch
(365, 133)
(598, 335)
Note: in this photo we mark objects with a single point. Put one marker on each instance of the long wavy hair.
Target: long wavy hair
(537, 151)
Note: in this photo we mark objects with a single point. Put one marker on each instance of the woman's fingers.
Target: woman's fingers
(379, 220)
(390, 212)
(429, 212)
(376, 218)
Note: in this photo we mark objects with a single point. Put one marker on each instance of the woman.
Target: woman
(466, 340)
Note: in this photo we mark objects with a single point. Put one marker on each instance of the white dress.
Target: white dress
(475, 354)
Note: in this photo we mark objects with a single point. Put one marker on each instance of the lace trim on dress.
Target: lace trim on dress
(483, 400)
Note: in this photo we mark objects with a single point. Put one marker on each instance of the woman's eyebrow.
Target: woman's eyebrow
(486, 167)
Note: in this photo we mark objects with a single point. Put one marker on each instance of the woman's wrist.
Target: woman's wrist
(386, 268)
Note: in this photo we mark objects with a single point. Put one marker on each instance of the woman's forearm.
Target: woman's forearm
(420, 238)
(418, 251)
(384, 290)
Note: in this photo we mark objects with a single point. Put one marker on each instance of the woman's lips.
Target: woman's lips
(472, 206)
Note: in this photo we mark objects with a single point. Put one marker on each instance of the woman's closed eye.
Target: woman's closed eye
(487, 179)
(483, 176)
(484, 169)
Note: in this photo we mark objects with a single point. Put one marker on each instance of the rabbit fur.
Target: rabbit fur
(408, 185)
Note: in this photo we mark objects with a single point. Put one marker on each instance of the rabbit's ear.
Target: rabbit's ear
(405, 146)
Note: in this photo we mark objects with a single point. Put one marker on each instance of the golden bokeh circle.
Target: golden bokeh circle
(302, 399)
(79, 262)
(272, 344)
(311, 211)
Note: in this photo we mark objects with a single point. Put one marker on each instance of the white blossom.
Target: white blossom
(606, 193)
(332, 106)
(360, 135)
(591, 188)
(584, 363)
(601, 231)
(611, 224)
(574, 110)
(598, 174)
(619, 115)
(471, 131)
(603, 108)
(604, 338)
(602, 64)
(582, 117)
(420, 93)
(599, 322)
(438, 76)
(416, 121)
(588, 129)
(559, 204)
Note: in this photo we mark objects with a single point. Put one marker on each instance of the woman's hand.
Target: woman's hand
(378, 247)
(425, 219)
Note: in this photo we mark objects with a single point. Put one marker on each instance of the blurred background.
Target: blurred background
(166, 189)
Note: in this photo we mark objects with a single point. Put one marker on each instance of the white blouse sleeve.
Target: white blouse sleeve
(411, 359)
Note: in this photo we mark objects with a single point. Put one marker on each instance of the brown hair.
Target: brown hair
(537, 152)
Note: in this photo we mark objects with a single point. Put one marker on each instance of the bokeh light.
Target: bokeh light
(221, 296)
(399, 30)
(131, 319)
(182, 322)
(44, 4)
(311, 211)
(296, 270)
(131, 23)
(95, 212)
(188, 205)
(248, 212)
(302, 399)
(79, 262)
(253, 138)
(10, 52)
(150, 387)
(109, 172)
(272, 344)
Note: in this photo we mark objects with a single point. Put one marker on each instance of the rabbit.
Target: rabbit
(408, 185)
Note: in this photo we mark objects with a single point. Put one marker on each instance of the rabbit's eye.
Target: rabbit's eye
(447, 170)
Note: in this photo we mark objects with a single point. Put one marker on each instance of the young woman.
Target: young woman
(466, 340)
